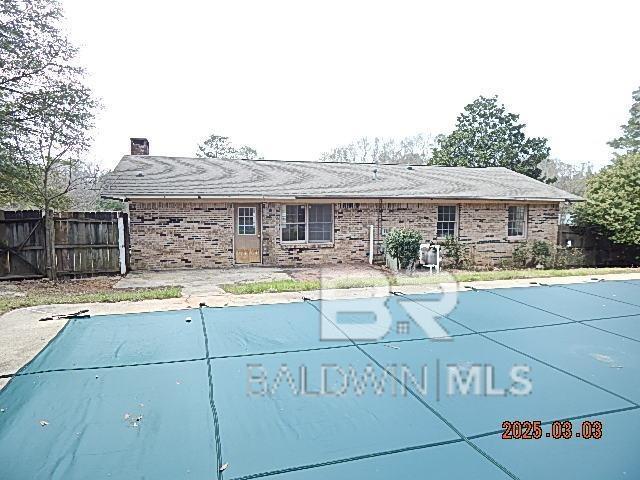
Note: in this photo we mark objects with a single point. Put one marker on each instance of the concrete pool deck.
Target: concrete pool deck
(23, 335)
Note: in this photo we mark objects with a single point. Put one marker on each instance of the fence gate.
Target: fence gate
(85, 243)
(21, 244)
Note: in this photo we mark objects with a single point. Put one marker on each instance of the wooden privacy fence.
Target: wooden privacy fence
(598, 251)
(85, 243)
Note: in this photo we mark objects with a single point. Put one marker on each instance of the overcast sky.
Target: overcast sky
(296, 78)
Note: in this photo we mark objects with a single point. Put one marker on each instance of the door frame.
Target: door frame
(258, 216)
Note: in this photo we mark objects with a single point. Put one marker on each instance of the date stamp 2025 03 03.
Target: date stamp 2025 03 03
(560, 430)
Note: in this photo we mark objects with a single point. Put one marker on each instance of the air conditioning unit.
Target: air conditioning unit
(430, 256)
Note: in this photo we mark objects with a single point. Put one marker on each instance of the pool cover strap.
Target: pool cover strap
(596, 295)
(421, 400)
(212, 403)
(586, 323)
(531, 356)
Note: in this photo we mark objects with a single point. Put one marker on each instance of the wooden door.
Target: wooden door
(247, 246)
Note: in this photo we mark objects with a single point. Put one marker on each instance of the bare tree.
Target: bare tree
(414, 149)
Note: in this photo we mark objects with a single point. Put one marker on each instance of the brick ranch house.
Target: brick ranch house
(212, 212)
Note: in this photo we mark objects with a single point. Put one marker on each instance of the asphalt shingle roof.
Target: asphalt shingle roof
(175, 177)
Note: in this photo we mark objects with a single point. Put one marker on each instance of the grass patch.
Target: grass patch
(275, 286)
(534, 273)
(34, 299)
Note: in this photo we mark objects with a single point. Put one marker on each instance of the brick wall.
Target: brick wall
(200, 234)
(481, 226)
(180, 235)
(484, 228)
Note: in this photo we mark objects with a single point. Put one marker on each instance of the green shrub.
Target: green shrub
(521, 255)
(403, 244)
(564, 257)
(456, 253)
(541, 254)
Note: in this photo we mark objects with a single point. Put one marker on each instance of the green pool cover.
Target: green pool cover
(253, 392)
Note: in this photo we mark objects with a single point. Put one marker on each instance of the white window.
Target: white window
(517, 222)
(446, 221)
(246, 221)
(320, 223)
(307, 223)
(294, 219)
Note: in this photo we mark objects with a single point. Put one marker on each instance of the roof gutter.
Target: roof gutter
(205, 197)
(346, 197)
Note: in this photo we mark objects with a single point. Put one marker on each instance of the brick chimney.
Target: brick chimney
(139, 146)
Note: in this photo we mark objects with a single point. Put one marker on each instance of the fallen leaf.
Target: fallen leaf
(602, 358)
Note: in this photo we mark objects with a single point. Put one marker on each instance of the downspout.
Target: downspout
(379, 221)
(121, 245)
(370, 244)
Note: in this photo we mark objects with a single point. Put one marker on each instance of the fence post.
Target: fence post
(50, 245)
(3, 231)
(121, 245)
(127, 240)
(4, 243)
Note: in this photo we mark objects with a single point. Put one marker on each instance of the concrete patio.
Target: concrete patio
(206, 282)
(200, 282)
